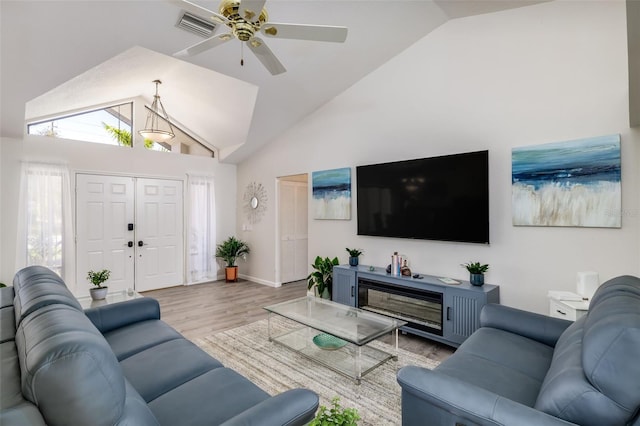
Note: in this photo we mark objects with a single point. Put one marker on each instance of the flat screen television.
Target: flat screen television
(442, 198)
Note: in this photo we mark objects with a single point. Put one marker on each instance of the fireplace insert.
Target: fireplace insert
(422, 309)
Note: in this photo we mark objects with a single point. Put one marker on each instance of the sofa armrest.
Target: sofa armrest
(291, 408)
(117, 315)
(542, 328)
(467, 401)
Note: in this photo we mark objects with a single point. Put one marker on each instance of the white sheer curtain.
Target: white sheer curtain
(201, 238)
(45, 224)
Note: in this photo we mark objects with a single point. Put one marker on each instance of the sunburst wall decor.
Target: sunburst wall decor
(255, 202)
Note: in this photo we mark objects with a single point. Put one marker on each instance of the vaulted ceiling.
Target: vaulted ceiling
(65, 55)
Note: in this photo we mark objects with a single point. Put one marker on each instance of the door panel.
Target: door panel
(104, 207)
(301, 235)
(293, 230)
(160, 261)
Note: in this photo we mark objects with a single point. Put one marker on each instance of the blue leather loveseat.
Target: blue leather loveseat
(522, 368)
(118, 364)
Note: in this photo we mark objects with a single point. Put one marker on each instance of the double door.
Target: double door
(131, 226)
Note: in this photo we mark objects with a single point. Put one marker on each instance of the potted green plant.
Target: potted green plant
(98, 292)
(322, 277)
(229, 251)
(476, 271)
(336, 415)
(353, 256)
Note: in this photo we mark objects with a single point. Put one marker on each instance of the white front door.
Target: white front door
(104, 209)
(131, 226)
(293, 230)
(159, 245)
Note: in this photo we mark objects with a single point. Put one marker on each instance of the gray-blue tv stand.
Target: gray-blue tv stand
(447, 313)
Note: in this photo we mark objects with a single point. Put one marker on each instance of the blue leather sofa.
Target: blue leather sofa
(118, 364)
(522, 368)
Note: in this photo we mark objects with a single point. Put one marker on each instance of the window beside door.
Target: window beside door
(44, 222)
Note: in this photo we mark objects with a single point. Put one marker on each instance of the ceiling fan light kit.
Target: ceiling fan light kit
(246, 18)
(155, 128)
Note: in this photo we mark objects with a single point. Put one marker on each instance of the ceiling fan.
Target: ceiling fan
(246, 19)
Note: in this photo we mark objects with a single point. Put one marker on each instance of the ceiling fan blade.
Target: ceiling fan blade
(200, 11)
(266, 56)
(305, 32)
(250, 10)
(207, 44)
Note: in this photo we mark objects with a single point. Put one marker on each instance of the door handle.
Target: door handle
(130, 244)
(448, 313)
(141, 243)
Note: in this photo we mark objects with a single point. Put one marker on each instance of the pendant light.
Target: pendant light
(156, 119)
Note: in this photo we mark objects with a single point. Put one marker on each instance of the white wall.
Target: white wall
(551, 72)
(106, 159)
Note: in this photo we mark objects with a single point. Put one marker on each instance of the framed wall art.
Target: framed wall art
(572, 183)
(332, 194)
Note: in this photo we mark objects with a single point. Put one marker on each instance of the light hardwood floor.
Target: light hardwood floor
(204, 309)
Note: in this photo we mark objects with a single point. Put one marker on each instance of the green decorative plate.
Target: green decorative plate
(328, 342)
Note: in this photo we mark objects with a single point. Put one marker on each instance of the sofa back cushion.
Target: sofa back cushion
(593, 375)
(69, 371)
(37, 286)
(611, 342)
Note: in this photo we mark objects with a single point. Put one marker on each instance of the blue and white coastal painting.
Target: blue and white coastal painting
(573, 183)
(332, 194)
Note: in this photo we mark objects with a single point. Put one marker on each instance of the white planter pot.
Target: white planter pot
(98, 293)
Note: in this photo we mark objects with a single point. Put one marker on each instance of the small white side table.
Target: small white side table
(119, 296)
(568, 309)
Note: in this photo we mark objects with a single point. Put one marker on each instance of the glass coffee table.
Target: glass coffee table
(335, 335)
(118, 296)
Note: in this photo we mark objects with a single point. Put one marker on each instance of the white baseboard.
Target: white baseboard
(260, 281)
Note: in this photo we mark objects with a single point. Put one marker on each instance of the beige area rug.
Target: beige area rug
(276, 368)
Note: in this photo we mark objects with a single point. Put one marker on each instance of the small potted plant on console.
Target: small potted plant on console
(98, 292)
(353, 256)
(476, 271)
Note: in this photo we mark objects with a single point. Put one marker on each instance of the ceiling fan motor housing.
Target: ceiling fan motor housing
(243, 27)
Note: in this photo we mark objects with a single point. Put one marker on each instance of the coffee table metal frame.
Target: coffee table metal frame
(355, 326)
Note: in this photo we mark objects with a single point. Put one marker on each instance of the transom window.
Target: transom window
(112, 126)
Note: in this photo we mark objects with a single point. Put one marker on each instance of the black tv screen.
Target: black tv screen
(439, 198)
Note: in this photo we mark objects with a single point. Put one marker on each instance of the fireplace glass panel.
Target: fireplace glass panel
(422, 309)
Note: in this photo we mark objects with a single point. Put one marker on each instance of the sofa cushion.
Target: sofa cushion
(593, 378)
(130, 340)
(6, 296)
(7, 324)
(507, 364)
(22, 414)
(69, 371)
(11, 391)
(179, 361)
(611, 343)
(36, 287)
(211, 398)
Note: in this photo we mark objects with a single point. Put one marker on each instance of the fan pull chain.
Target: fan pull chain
(242, 54)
